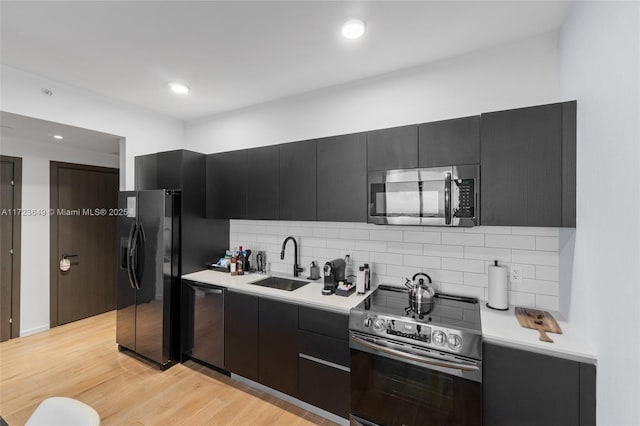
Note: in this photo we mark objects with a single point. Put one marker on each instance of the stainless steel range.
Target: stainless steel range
(410, 368)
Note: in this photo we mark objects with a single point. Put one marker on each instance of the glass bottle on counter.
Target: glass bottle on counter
(233, 266)
(240, 266)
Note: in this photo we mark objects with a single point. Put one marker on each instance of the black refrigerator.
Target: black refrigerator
(148, 298)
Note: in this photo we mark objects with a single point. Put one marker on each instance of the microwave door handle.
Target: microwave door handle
(447, 199)
(416, 358)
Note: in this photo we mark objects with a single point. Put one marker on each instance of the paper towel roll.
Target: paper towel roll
(498, 287)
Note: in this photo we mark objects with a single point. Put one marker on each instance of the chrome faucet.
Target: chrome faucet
(296, 269)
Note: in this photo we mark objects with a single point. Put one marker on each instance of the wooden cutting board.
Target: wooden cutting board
(535, 319)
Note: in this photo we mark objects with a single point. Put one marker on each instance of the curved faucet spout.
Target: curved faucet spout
(296, 268)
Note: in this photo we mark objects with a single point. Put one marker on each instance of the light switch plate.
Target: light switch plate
(516, 274)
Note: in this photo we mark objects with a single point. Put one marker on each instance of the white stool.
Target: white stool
(61, 411)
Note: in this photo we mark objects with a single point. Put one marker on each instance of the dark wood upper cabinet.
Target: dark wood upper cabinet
(526, 388)
(278, 345)
(241, 334)
(394, 148)
(449, 142)
(298, 180)
(522, 167)
(342, 178)
(569, 164)
(226, 184)
(146, 172)
(263, 165)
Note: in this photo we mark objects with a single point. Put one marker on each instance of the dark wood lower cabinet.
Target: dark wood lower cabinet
(324, 386)
(241, 334)
(278, 346)
(522, 388)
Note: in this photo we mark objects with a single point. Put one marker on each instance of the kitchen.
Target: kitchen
(535, 70)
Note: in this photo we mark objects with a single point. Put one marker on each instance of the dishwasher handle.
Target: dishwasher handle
(206, 288)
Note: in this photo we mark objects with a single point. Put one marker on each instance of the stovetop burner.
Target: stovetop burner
(448, 310)
(450, 324)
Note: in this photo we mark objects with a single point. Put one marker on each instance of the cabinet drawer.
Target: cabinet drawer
(327, 323)
(325, 387)
(324, 347)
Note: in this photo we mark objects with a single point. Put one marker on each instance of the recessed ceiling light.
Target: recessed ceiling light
(353, 28)
(179, 88)
(59, 137)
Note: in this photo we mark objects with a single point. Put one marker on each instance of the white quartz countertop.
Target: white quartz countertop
(502, 327)
(309, 295)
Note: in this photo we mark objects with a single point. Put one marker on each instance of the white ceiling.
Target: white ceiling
(241, 53)
(20, 127)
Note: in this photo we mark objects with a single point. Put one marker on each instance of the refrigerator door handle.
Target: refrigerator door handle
(133, 255)
(129, 257)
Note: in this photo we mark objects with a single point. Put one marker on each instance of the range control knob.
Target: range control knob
(439, 338)
(368, 321)
(378, 324)
(454, 342)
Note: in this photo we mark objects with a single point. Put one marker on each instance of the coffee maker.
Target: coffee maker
(333, 272)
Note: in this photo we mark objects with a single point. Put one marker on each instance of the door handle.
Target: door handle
(447, 199)
(130, 255)
(65, 263)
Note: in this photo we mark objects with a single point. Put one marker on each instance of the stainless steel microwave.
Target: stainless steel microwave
(437, 196)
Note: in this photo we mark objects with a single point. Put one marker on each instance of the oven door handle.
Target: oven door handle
(412, 357)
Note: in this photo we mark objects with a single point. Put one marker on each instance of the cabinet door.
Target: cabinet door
(525, 388)
(298, 181)
(325, 386)
(263, 166)
(342, 178)
(170, 169)
(521, 167)
(241, 334)
(146, 172)
(278, 347)
(227, 185)
(450, 142)
(395, 148)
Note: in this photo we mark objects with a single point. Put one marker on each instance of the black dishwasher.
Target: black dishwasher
(204, 323)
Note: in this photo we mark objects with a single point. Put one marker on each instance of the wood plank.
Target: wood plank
(80, 360)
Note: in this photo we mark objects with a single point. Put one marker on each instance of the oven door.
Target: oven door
(410, 197)
(391, 385)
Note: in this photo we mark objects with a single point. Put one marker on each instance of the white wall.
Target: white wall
(455, 258)
(145, 132)
(509, 76)
(600, 67)
(34, 268)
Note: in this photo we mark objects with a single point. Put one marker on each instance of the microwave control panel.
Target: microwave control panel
(466, 198)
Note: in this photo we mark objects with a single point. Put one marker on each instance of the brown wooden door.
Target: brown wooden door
(83, 227)
(10, 203)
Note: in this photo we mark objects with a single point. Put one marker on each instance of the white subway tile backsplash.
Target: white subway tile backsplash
(386, 258)
(405, 248)
(443, 251)
(549, 273)
(545, 258)
(547, 302)
(465, 265)
(341, 244)
(480, 280)
(455, 258)
(371, 245)
(385, 235)
(547, 243)
(510, 241)
(524, 230)
(481, 253)
(421, 261)
(354, 234)
(549, 288)
(422, 237)
(466, 239)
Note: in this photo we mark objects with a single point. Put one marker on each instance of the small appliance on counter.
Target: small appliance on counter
(261, 262)
(333, 272)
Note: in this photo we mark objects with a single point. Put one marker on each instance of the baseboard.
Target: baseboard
(34, 330)
(295, 401)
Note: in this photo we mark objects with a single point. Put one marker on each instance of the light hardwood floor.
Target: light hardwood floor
(80, 360)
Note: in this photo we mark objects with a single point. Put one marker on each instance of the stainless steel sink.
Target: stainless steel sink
(281, 283)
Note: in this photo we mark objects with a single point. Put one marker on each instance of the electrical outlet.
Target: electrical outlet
(516, 274)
